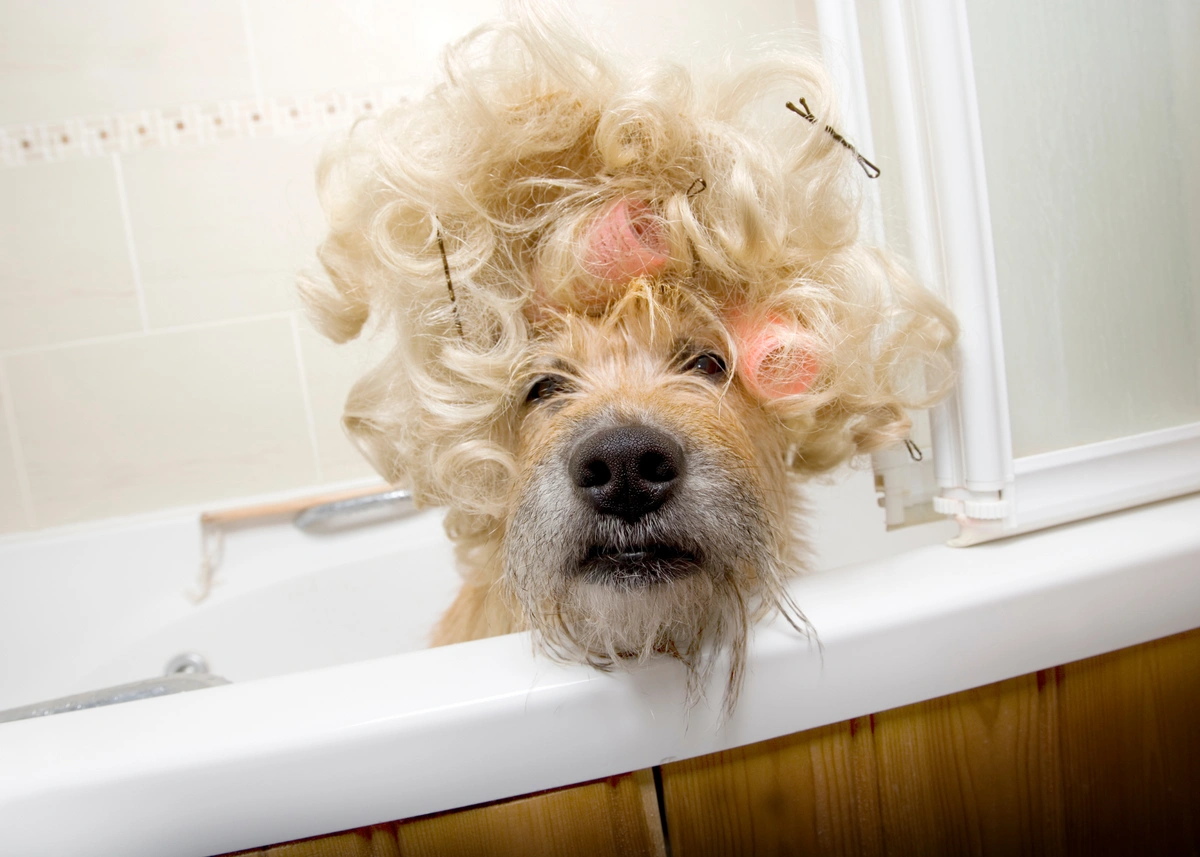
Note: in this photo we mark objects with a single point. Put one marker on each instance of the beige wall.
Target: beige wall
(156, 201)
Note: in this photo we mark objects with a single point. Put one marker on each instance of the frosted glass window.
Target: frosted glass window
(1091, 134)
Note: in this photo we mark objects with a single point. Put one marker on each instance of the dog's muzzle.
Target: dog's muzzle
(623, 474)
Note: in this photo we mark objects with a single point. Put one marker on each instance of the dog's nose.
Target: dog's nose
(628, 470)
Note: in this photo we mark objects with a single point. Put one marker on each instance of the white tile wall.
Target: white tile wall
(64, 263)
(684, 28)
(331, 371)
(319, 44)
(220, 230)
(14, 515)
(313, 45)
(77, 57)
(150, 351)
(136, 423)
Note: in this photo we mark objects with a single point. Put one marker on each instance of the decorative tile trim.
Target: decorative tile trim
(192, 124)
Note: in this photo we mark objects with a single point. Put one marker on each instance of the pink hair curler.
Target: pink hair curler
(626, 241)
(776, 358)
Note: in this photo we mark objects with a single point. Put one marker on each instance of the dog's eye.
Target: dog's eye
(706, 364)
(544, 388)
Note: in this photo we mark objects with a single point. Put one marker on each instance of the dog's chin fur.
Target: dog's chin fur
(694, 619)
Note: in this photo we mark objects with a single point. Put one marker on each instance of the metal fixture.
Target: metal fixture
(188, 663)
(355, 511)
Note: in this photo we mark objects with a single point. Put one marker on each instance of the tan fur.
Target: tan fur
(625, 367)
(476, 612)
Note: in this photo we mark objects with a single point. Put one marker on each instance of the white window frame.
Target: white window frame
(991, 493)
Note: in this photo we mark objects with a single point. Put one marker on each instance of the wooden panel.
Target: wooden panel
(1100, 756)
(1132, 758)
(977, 772)
(608, 817)
(616, 817)
(777, 797)
(377, 841)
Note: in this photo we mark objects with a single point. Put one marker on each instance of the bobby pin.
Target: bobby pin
(698, 186)
(869, 168)
(449, 284)
(914, 451)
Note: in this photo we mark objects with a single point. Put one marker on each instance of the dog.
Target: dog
(631, 314)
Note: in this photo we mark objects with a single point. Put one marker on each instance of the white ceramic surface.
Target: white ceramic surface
(284, 601)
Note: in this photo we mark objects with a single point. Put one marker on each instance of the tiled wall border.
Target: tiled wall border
(192, 124)
(122, 134)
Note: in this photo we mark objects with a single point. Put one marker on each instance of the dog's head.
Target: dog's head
(627, 314)
(651, 510)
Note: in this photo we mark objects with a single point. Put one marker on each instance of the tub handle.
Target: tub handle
(355, 510)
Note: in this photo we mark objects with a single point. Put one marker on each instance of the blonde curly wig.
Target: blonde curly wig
(491, 185)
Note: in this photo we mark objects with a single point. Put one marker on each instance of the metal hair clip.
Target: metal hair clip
(869, 168)
(449, 285)
(698, 186)
(914, 451)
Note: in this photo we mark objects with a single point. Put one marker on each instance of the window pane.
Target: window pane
(1091, 134)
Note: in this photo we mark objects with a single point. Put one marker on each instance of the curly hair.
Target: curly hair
(490, 183)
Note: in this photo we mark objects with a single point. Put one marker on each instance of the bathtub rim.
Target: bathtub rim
(308, 753)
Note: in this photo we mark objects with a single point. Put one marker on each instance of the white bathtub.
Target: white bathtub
(336, 717)
(110, 604)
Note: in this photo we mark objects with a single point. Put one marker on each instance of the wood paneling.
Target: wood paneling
(377, 841)
(1130, 742)
(1096, 757)
(615, 817)
(608, 817)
